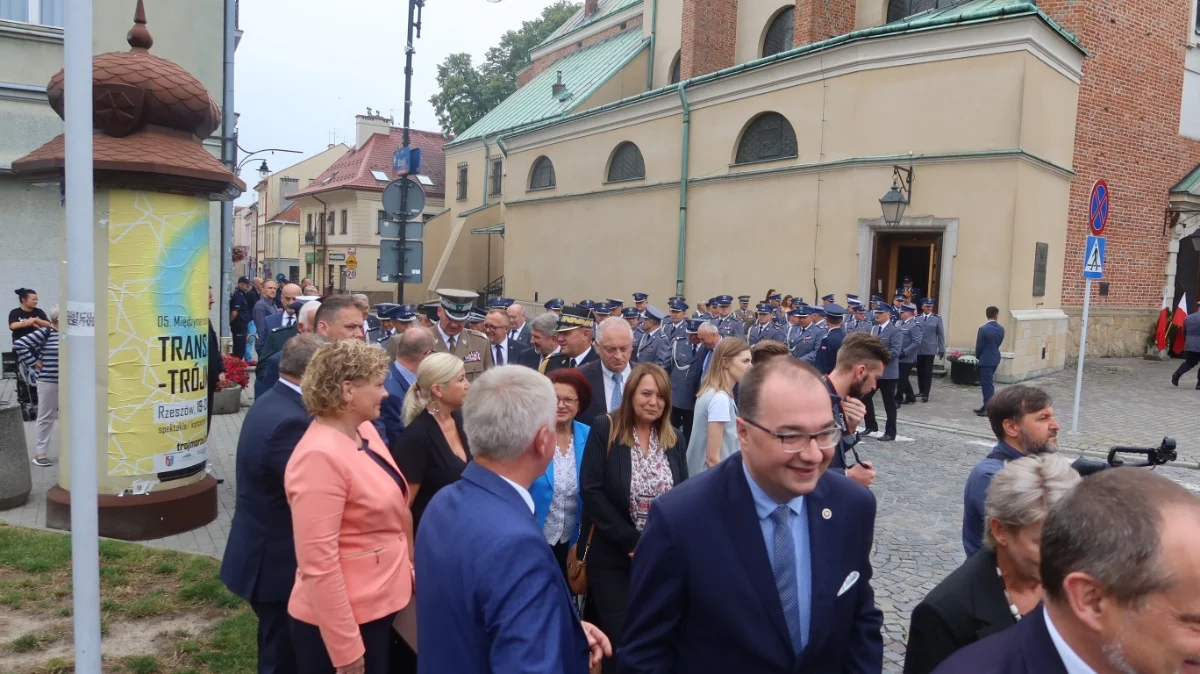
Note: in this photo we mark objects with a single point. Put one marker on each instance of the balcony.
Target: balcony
(310, 239)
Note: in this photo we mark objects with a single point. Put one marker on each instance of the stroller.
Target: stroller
(26, 389)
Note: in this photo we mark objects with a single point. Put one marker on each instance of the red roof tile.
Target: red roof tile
(289, 214)
(353, 169)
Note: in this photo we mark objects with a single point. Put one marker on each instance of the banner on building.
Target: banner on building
(157, 332)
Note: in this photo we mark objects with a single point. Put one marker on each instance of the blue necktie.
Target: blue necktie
(614, 402)
(785, 574)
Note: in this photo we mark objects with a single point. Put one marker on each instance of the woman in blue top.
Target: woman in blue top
(556, 498)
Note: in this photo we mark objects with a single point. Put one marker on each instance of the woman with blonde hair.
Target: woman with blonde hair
(350, 519)
(632, 457)
(432, 451)
(714, 427)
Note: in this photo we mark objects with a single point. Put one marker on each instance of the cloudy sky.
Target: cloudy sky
(306, 67)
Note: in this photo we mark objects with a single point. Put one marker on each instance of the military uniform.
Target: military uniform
(910, 330)
(933, 342)
(744, 315)
(824, 357)
(470, 345)
(654, 346)
(685, 382)
(759, 332)
(793, 335)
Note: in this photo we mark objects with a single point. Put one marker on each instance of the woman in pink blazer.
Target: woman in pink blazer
(350, 515)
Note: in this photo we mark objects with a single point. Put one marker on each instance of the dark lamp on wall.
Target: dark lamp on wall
(897, 199)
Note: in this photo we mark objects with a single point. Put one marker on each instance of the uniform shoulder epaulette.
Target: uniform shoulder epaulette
(474, 332)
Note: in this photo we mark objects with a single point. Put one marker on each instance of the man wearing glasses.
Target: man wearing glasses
(761, 564)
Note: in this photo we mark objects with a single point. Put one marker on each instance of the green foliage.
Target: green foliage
(466, 93)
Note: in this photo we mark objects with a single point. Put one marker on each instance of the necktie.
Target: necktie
(512, 334)
(615, 401)
(572, 362)
(450, 344)
(288, 321)
(499, 356)
(875, 331)
(784, 567)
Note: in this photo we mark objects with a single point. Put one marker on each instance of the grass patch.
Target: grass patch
(58, 666)
(234, 645)
(141, 664)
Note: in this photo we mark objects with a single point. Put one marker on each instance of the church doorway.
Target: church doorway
(912, 254)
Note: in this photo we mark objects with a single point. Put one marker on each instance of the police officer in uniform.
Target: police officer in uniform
(827, 300)
(602, 310)
(811, 335)
(428, 316)
(685, 350)
(776, 303)
(908, 292)
(727, 325)
(556, 305)
(933, 343)
(897, 307)
(634, 319)
(765, 328)
(744, 314)
(639, 301)
(818, 326)
(452, 335)
(240, 315)
(824, 357)
(795, 329)
(677, 326)
(910, 329)
(617, 304)
(387, 328)
(654, 346)
(861, 322)
(574, 329)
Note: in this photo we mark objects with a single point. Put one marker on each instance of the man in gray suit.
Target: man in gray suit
(911, 329)
(889, 333)
(933, 343)
(1191, 346)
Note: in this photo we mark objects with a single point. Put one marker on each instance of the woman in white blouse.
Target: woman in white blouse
(714, 427)
(556, 498)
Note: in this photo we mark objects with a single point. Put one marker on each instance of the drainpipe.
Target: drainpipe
(324, 242)
(487, 164)
(229, 156)
(683, 185)
(653, 33)
(500, 144)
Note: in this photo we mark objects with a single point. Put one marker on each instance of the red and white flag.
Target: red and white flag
(1177, 321)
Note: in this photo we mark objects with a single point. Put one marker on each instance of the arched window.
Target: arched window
(675, 69)
(779, 32)
(902, 9)
(542, 175)
(626, 163)
(768, 136)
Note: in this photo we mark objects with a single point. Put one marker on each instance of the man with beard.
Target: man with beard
(860, 363)
(1121, 583)
(1023, 422)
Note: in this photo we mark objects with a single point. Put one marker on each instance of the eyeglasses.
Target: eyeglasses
(794, 443)
(568, 401)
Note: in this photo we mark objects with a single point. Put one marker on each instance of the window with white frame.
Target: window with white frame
(44, 12)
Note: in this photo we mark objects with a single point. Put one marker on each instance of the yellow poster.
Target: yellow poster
(157, 332)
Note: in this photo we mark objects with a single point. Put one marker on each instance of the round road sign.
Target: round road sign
(1098, 207)
(391, 198)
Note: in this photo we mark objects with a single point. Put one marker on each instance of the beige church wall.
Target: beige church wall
(668, 37)
(753, 17)
(628, 81)
(870, 13)
(1049, 108)
(473, 154)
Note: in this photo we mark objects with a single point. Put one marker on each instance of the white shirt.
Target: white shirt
(609, 383)
(503, 350)
(580, 357)
(522, 491)
(288, 320)
(1071, 662)
(445, 338)
(290, 385)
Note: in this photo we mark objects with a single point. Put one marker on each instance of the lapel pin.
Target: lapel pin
(827, 513)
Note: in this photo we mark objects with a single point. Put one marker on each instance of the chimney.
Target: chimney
(366, 126)
(589, 8)
(558, 87)
(709, 27)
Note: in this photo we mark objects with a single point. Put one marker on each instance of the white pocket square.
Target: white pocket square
(848, 583)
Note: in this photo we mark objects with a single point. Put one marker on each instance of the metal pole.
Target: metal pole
(229, 156)
(81, 339)
(408, 73)
(1087, 303)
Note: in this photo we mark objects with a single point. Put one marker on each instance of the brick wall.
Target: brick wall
(542, 64)
(1127, 133)
(709, 34)
(818, 20)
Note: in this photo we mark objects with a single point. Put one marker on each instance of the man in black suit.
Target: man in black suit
(608, 375)
(575, 339)
(1122, 586)
(259, 564)
(505, 351)
(987, 351)
(763, 563)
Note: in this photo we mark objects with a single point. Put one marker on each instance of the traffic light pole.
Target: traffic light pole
(414, 22)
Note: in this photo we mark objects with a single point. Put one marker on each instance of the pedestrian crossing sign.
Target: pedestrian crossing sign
(1093, 258)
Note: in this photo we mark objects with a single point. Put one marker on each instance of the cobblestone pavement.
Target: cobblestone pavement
(919, 488)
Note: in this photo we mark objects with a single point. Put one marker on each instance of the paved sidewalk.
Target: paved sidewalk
(1125, 401)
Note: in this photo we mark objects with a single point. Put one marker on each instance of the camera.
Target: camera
(1154, 456)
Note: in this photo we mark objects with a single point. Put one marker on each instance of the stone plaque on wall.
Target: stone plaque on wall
(1040, 256)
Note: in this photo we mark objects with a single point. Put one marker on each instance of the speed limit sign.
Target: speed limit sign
(350, 273)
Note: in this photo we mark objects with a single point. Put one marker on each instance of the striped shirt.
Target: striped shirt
(41, 345)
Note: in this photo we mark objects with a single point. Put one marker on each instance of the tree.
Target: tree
(466, 93)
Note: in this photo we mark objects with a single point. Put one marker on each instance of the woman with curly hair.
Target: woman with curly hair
(350, 518)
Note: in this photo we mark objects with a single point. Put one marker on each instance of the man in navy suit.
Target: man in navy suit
(407, 350)
(267, 372)
(1121, 583)
(260, 559)
(761, 564)
(987, 350)
(493, 598)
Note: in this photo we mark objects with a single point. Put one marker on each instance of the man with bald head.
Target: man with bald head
(267, 372)
(519, 331)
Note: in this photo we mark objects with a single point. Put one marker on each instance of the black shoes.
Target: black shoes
(981, 412)
(1175, 380)
(887, 437)
(924, 399)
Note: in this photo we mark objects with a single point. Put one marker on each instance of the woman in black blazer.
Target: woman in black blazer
(433, 451)
(632, 456)
(998, 585)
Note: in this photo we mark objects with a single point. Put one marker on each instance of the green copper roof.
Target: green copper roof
(603, 9)
(964, 13)
(582, 72)
(1190, 183)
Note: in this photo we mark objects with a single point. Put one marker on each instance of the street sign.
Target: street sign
(351, 262)
(406, 160)
(350, 273)
(337, 257)
(391, 198)
(390, 229)
(1093, 257)
(400, 260)
(1098, 208)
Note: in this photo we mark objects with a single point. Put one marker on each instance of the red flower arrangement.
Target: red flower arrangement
(237, 372)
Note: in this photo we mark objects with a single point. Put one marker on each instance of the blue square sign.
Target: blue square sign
(1093, 257)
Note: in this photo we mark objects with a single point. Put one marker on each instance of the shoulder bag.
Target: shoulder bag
(576, 564)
